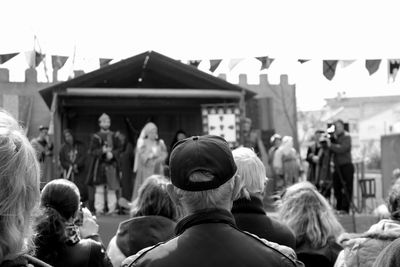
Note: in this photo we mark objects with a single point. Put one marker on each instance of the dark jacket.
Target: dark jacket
(341, 149)
(325, 256)
(141, 232)
(210, 238)
(85, 253)
(251, 217)
(390, 256)
(24, 261)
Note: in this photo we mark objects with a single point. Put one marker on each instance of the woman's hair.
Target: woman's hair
(153, 199)
(19, 188)
(309, 215)
(59, 202)
(250, 169)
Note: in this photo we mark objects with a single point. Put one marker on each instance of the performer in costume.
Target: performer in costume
(150, 155)
(103, 170)
(125, 163)
(44, 150)
(72, 160)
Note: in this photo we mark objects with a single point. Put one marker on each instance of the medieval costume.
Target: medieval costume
(103, 169)
(44, 152)
(125, 163)
(72, 159)
(150, 155)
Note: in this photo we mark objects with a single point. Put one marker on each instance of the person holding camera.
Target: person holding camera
(343, 175)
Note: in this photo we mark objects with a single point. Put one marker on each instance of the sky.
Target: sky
(284, 30)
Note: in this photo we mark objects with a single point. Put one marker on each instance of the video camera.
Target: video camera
(329, 134)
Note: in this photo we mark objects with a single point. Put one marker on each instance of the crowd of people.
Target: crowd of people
(208, 210)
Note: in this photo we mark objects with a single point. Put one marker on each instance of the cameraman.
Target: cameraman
(340, 146)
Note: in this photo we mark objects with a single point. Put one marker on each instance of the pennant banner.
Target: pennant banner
(194, 63)
(303, 60)
(234, 62)
(34, 58)
(329, 68)
(372, 65)
(58, 62)
(214, 63)
(265, 62)
(104, 62)
(346, 63)
(394, 65)
(6, 57)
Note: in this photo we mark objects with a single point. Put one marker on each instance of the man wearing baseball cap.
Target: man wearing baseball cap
(204, 185)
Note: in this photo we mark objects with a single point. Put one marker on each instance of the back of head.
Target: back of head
(202, 168)
(19, 187)
(153, 199)
(309, 215)
(59, 203)
(251, 170)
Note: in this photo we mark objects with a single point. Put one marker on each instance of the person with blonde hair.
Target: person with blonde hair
(150, 155)
(248, 210)
(286, 164)
(314, 223)
(204, 185)
(153, 220)
(19, 194)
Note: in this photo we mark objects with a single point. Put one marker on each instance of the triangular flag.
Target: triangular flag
(214, 63)
(394, 65)
(303, 60)
(194, 63)
(104, 62)
(346, 63)
(58, 62)
(372, 65)
(6, 57)
(265, 62)
(38, 58)
(329, 68)
(233, 63)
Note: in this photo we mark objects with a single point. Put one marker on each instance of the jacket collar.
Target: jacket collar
(252, 205)
(203, 217)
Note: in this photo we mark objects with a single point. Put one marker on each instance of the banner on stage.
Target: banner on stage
(222, 120)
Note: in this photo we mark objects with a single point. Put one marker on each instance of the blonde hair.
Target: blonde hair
(153, 199)
(251, 170)
(19, 188)
(309, 215)
(213, 198)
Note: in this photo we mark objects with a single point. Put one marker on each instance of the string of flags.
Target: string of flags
(34, 58)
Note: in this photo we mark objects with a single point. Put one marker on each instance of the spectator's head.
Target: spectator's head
(396, 176)
(203, 174)
(251, 171)
(153, 199)
(309, 215)
(339, 127)
(179, 135)
(19, 188)
(43, 131)
(393, 202)
(104, 121)
(69, 139)
(62, 196)
(247, 124)
(317, 135)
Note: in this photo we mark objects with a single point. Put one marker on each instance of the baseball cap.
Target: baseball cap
(208, 153)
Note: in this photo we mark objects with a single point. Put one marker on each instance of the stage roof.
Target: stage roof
(147, 70)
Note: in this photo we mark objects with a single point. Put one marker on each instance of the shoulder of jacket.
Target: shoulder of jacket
(130, 261)
(284, 251)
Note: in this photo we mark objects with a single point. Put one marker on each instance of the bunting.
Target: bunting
(265, 62)
(214, 63)
(302, 61)
(372, 65)
(58, 62)
(104, 62)
(234, 62)
(329, 68)
(394, 65)
(6, 57)
(33, 58)
(194, 63)
(346, 63)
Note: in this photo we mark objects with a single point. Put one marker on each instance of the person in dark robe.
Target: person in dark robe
(72, 159)
(125, 163)
(44, 152)
(103, 169)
